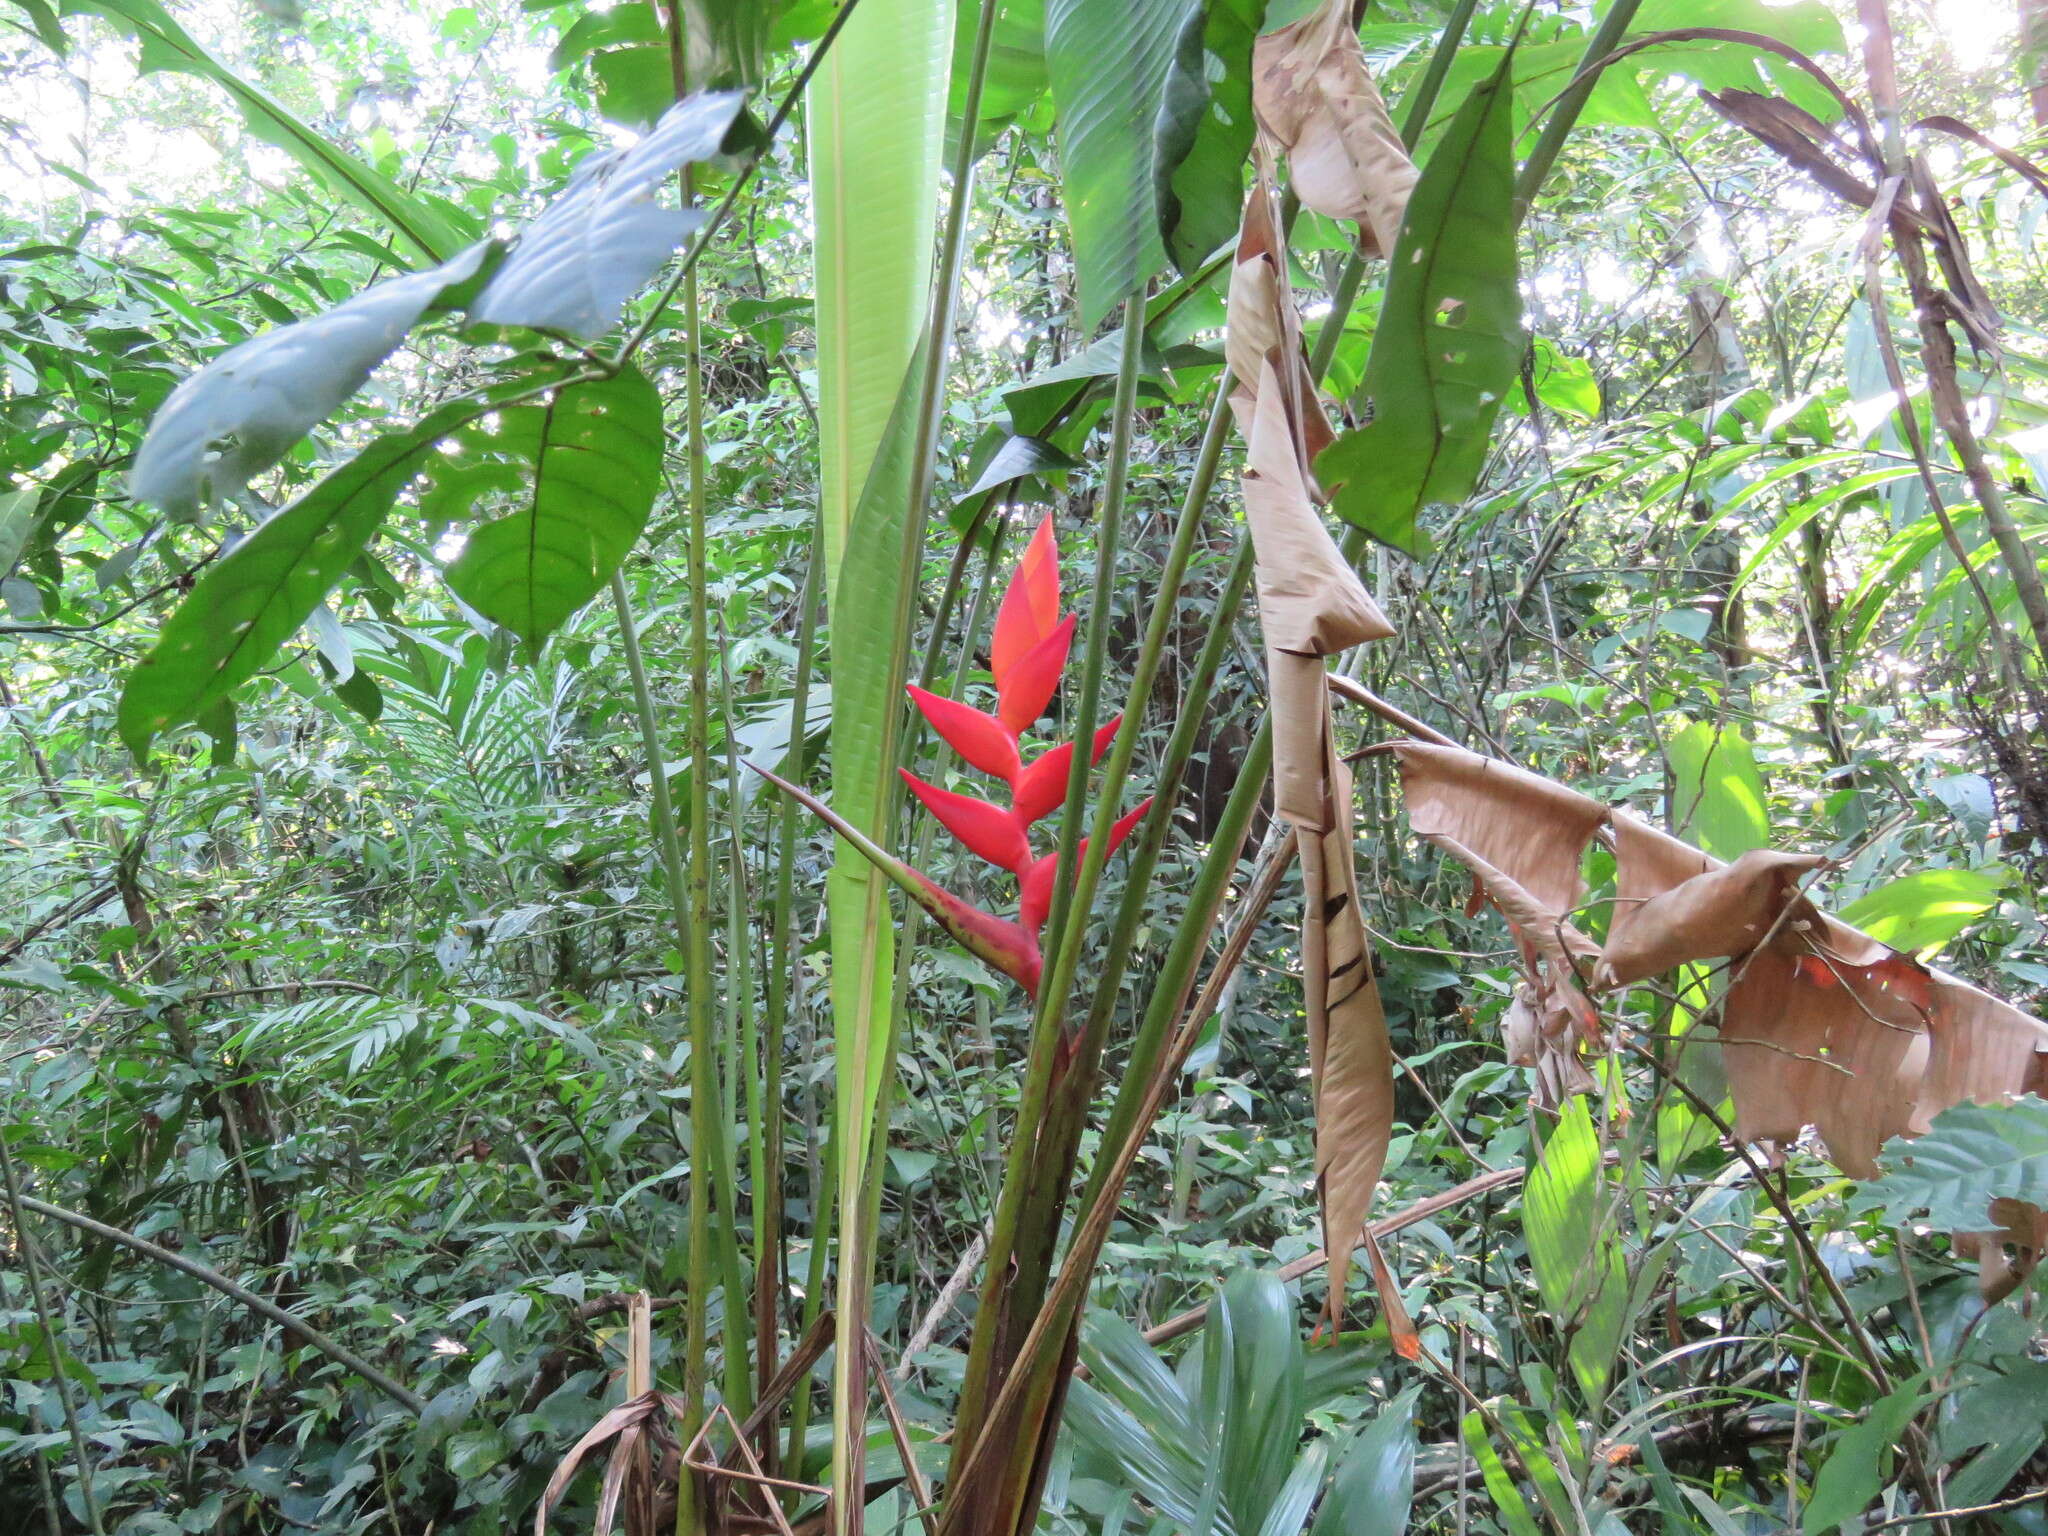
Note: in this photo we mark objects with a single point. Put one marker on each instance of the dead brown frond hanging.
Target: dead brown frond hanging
(1312, 606)
(1312, 93)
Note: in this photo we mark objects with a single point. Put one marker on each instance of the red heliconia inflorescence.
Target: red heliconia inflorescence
(1028, 655)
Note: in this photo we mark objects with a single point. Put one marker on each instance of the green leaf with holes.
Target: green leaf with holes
(255, 598)
(1449, 337)
(593, 452)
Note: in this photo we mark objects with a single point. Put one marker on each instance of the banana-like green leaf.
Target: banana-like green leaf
(594, 455)
(1375, 1481)
(1573, 1247)
(1110, 62)
(435, 233)
(1449, 336)
(249, 405)
(251, 601)
(597, 244)
(875, 111)
(1718, 798)
(1205, 129)
(1015, 79)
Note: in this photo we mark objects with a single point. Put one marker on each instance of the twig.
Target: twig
(411, 1401)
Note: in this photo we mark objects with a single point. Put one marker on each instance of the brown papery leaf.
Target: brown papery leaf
(1530, 828)
(1312, 93)
(1311, 605)
(1351, 1061)
(1727, 909)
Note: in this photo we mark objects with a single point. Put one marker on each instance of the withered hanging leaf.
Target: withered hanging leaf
(1351, 1061)
(1312, 605)
(1529, 827)
(1312, 93)
(1725, 910)
(1822, 1025)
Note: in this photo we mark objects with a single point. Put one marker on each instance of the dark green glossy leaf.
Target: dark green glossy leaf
(1205, 130)
(1449, 337)
(594, 453)
(1109, 61)
(1375, 1481)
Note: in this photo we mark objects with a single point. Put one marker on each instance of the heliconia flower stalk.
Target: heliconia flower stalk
(1028, 654)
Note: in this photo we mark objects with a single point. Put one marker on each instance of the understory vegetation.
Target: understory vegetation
(1115, 767)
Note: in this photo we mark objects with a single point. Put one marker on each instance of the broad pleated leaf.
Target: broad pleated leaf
(434, 232)
(595, 456)
(1568, 1220)
(987, 830)
(1109, 61)
(604, 236)
(239, 414)
(1205, 130)
(981, 739)
(1449, 336)
(253, 599)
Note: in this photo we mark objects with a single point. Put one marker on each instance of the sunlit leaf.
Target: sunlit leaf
(593, 452)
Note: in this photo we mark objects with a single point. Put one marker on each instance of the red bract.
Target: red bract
(1043, 785)
(1029, 653)
(1031, 605)
(1026, 685)
(986, 829)
(982, 739)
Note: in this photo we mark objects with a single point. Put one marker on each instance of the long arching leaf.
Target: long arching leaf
(1110, 62)
(241, 610)
(166, 45)
(1449, 337)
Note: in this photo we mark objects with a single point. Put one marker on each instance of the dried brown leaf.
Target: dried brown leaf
(1312, 93)
(1530, 828)
(1351, 1060)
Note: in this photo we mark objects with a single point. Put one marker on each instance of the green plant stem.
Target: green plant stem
(53, 1343)
(1421, 97)
(783, 961)
(669, 844)
(1564, 116)
(742, 1035)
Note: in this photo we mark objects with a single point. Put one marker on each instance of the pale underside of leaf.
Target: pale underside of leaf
(239, 414)
(1313, 94)
(599, 242)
